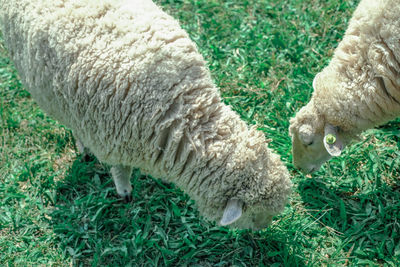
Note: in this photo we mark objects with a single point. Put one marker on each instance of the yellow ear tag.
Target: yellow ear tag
(330, 139)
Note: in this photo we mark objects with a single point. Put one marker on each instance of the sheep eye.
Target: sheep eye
(309, 144)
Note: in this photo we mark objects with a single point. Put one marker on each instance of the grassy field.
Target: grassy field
(56, 210)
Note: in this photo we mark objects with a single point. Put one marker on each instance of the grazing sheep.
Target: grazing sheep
(359, 89)
(135, 91)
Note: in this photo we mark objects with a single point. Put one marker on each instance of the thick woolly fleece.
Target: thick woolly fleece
(360, 88)
(133, 88)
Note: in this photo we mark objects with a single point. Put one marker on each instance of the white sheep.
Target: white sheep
(358, 90)
(135, 91)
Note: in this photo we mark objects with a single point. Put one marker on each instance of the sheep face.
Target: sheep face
(238, 214)
(308, 149)
(307, 132)
(254, 217)
(314, 141)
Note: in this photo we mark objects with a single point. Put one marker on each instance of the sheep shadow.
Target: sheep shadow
(366, 217)
(161, 226)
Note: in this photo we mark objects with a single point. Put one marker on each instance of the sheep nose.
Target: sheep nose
(314, 168)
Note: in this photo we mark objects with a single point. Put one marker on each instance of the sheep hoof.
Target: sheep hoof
(86, 158)
(128, 198)
(125, 194)
(121, 175)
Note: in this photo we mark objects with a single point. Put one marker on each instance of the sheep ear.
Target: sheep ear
(332, 142)
(232, 212)
(314, 83)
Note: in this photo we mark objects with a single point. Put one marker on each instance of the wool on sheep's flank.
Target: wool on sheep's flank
(135, 91)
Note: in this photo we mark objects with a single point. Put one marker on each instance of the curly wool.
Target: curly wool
(360, 88)
(133, 88)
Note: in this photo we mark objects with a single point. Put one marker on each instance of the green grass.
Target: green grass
(58, 210)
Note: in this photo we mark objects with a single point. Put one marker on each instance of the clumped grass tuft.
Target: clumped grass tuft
(58, 210)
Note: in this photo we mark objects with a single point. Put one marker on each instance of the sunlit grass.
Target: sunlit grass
(56, 209)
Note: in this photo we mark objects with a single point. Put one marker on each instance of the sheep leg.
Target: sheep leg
(121, 176)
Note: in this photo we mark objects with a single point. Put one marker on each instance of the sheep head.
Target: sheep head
(314, 140)
(255, 188)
